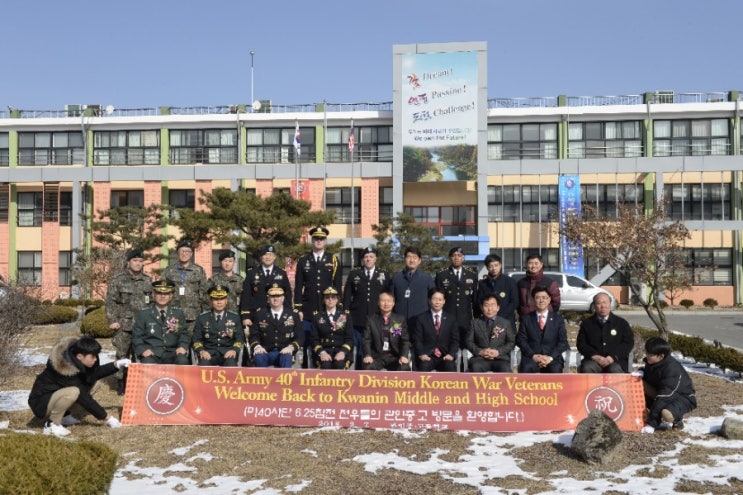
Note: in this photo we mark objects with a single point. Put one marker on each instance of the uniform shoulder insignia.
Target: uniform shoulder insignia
(232, 312)
(205, 312)
(345, 311)
(315, 312)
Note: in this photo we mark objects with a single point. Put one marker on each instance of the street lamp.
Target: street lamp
(252, 55)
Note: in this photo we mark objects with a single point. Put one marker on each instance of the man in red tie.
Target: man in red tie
(436, 336)
(542, 336)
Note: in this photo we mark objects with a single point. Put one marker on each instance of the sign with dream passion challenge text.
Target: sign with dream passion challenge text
(186, 395)
(571, 254)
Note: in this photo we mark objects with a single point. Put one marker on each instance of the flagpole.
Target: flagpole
(297, 152)
(351, 139)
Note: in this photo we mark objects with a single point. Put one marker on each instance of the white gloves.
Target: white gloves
(639, 373)
(647, 429)
(123, 362)
(113, 422)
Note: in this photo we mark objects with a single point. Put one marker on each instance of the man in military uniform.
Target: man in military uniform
(258, 280)
(361, 294)
(504, 287)
(218, 335)
(160, 334)
(190, 280)
(315, 272)
(276, 333)
(459, 285)
(227, 277)
(128, 292)
(331, 338)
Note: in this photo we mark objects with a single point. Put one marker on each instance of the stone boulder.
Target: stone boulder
(596, 438)
(732, 429)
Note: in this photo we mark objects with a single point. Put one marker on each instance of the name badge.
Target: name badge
(407, 294)
(386, 346)
(147, 299)
(181, 291)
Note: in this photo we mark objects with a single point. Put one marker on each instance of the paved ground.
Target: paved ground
(725, 326)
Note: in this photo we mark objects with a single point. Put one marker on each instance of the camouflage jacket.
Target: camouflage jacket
(127, 294)
(190, 288)
(233, 282)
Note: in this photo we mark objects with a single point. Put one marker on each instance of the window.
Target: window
(514, 259)
(522, 203)
(134, 199)
(30, 209)
(181, 199)
(698, 201)
(518, 141)
(203, 146)
(29, 268)
(50, 148)
(710, 266)
(349, 259)
(65, 208)
(372, 144)
(691, 137)
(4, 149)
(605, 139)
(385, 202)
(445, 220)
(593, 265)
(338, 199)
(277, 145)
(126, 147)
(605, 197)
(65, 268)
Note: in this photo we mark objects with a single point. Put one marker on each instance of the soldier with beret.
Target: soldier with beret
(331, 338)
(128, 292)
(459, 285)
(361, 294)
(228, 277)
(257, 282)
(218, 335)
(315, 271)
(190, 280)
(160, 334)
(276, 333)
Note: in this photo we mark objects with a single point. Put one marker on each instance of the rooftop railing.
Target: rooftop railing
(270, 107)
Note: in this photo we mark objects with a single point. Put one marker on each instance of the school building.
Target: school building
(56, 164)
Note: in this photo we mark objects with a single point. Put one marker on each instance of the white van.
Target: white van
(576, 293)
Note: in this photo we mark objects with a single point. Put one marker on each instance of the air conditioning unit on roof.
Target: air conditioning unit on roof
(73, 110)
(664, 96)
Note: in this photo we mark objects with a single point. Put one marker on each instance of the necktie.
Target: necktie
(436, 323)
(368, 274)
(386, 320)
(268, 273)
(162, 315)
(541, 321)
(275, 316)
(458, 274)
(491, 323)
(219, 318)
(317, 259)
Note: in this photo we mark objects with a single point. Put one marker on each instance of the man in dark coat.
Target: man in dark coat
(386, 338)
(69, 379)
(436, 336)
(491, 339)
(542, 337)
(534, 277)
(604, 340)
(504, 287)
(257, 282)
(459, 285)
(410, 287)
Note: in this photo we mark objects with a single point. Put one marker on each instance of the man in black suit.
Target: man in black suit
(436, 336)
(386, 340)
(605, 340)
(542, 336)
(361, 295)
(491, 339)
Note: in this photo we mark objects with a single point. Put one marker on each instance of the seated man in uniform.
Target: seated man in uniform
(276, 333)
(160, 333)
(218, 335)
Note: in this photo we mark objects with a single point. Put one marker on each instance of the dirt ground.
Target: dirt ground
(280, 454)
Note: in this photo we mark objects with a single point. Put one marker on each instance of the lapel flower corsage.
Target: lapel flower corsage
(289, 321)
(380, 278)
(497, 331)
(396, 330)
(173, 325)
(340, 322)
(226, 333)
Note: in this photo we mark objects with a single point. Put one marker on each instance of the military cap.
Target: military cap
(218, 291)
(319, 232)
(184, 243)
(164, 286)
(330, 291)
(456, 249)
(370, 249)
(275, 290)
(266, 249)
(226, 254)
(134, 253)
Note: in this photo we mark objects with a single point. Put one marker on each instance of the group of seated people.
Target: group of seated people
(161, 335)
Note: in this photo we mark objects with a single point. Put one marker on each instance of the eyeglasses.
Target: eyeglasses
(542, 298)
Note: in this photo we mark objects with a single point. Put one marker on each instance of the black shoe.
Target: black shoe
(120, 387)
(678, 425)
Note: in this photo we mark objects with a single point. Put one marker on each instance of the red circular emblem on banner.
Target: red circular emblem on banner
(165, 396)
(606, 400)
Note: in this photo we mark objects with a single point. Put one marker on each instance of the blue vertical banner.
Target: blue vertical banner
(571, 255)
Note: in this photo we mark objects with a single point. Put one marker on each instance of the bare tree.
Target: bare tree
(646, 248)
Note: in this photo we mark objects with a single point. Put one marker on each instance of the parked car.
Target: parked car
(576, 293)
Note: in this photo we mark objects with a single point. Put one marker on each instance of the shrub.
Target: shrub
(71, 303)
(53, 315)
(663, 304)
(96, 324)
(95, 303)
(46, 464)
(15, 306)
(687, 303)
(710, 303)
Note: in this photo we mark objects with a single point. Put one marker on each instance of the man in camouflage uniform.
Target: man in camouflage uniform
(128, 292)
(190, 283)
(227, 277)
